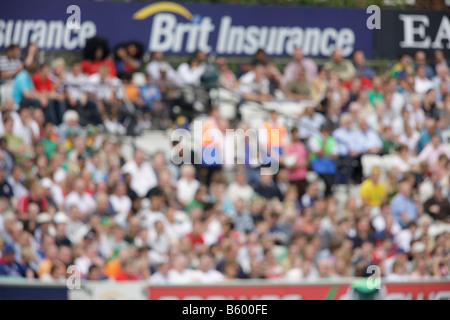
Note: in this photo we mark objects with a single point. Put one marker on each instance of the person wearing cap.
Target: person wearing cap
(438, 206)
(323, 154)
(373, 192)
(8, 264)
(70, 124)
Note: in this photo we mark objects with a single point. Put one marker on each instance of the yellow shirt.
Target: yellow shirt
(373, 193)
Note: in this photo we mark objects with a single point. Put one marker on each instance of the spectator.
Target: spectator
(239, 189)
(10, 66)
(402, 68)
(420, 60)
(227, 79)
(157, 66)
(128, 58)
(310, 123)
(189, 73)
(254, 85)
(298, 88)
(430, 154)
(422, 83)
(342, 67)
(404, 209)
(187, 185)
(359, 61)
(77, 95)
(96, 54)
(437, 206)
(297, 171)
(81, 199)
(143, 177)
(299, 61)
(373, 192)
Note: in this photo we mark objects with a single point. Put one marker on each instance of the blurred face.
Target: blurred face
(436, 140)
(259, 71)
(76, 68)
(298, 55)
(359, 58)
(99, 54)
(337, 55)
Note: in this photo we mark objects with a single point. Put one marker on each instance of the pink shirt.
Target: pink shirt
(431, 155)
(300, 151)
(291, 70)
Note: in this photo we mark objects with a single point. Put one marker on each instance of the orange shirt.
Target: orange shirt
(274, 139)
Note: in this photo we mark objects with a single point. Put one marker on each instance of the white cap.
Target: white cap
(60, 218)
(418, 247)
(46, 183)
(139, 79)
(43, 217)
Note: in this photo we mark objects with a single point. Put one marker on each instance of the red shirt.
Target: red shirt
(42, 85)
(122, 276)
(91, 67)
(195, 239)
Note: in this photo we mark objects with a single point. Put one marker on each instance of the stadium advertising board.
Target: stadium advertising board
(183, 28)
(409, 31)
(391, 291)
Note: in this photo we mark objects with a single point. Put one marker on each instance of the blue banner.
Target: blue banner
(183, 28)
(24, 292)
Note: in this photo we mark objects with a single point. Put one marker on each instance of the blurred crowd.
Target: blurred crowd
(69, 195)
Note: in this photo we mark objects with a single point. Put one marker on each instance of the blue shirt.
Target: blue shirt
(367, 140)
(150, 93)
(425, 138)
(401, 204)
(22, 82)
(366, 71)
(309, 126)
(346, 141)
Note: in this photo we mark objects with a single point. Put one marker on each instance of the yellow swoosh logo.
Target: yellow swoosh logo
(164, 6)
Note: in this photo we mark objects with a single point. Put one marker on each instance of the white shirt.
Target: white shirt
(150, 217)
(103, 90)
(249, 85)
(76, 85)
(294, 274)
(84, 202)
(210, 276)
(422, 85)
(154, 67)
(398, 126)
(159, 242)
(159, 278)
(186, 190)
(379, 224)
(235, 192)
(175, 277)
(375, 123)
(143, 178)
(400, 164)
(120, 204)
(411, 142)
(188, 76)
(403, 239)
(83, 263)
